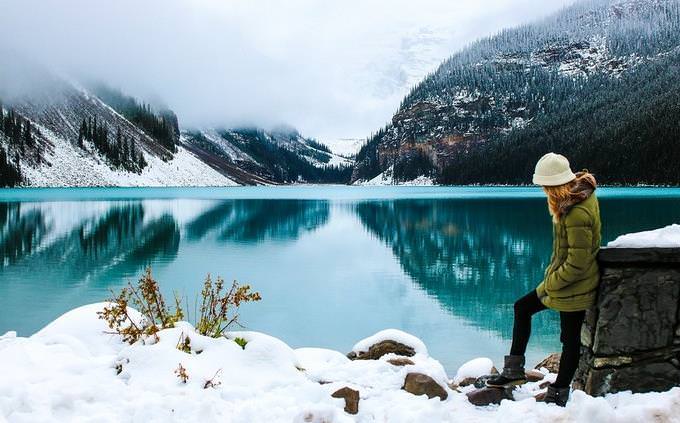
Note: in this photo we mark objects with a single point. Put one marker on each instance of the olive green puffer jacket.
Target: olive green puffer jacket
(571, 279)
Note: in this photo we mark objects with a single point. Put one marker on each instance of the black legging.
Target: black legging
(570, 324)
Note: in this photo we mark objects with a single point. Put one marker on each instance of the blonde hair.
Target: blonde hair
(562, 197)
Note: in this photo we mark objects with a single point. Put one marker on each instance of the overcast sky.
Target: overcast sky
(331, 68)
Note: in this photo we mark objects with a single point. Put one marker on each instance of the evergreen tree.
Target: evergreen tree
(82, 133)
(28, 137)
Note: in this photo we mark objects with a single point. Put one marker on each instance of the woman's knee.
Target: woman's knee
(521, 307)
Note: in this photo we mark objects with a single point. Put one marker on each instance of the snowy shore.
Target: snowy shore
(72, 370)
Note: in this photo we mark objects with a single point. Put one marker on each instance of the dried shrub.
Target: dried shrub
(219, 310)
(148, 300)
(182, 374)
(184, 343)
(219, 306)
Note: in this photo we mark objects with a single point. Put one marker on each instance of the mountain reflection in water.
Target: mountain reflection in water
(330, 270)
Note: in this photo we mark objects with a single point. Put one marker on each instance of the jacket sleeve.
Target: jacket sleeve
(579, 229)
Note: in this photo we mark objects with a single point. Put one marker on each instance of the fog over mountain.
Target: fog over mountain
(332, 69)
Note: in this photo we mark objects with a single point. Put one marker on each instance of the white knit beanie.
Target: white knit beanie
(553, 170)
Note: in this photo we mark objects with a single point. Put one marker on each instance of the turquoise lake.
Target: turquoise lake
(334, 264)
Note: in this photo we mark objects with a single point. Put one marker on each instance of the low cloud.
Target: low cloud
(333, 69)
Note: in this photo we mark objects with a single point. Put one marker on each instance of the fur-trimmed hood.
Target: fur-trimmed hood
(584, 186)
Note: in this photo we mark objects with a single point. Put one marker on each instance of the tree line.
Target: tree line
(19, 134)
(625, 130)
(162, 126)
(120, 151)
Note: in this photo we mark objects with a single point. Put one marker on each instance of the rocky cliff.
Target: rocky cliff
(592, 81)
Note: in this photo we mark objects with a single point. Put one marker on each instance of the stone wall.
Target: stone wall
(631, 338)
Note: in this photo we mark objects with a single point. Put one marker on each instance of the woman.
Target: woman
(571, 279)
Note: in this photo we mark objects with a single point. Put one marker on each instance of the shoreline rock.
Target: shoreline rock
(422, 384)
(551, 363)
(382, 348)
(351, 397)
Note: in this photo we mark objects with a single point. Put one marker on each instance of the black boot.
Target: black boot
(558, 396)
(512, 374)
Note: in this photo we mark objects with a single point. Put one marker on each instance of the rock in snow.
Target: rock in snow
(420, 384)
(400, 361)
(551, 363)
(73, 371)
(388, 341)
(486, 396)
(351, 398)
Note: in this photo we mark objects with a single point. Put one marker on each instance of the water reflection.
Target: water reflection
(20, 232)
(59, 255)
(251, 221)
(321, 264)
(478, 256)
(475, 257)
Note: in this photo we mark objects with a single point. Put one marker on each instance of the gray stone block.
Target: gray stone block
(630, 340)
(639, 378)
(637, 309)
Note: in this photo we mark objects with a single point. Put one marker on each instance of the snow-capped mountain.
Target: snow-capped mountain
(62, 133)
(345, 147)
(402, 65)
(574, 82)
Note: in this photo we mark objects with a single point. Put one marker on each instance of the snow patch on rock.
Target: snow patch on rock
(391, 335)
(474, 368)
(666, 237)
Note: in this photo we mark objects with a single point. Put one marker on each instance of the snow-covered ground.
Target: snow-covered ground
(387, 178)
(69, 166)
(666, 237)
(73, 371)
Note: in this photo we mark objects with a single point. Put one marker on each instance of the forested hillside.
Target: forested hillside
(162, 126)
(56, 132)
(277, 156)
(597, 82)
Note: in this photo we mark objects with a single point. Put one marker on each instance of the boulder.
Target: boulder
(376, 351)
(422, 384)
(534, 375)
(400, 361)
(486, 396)
(551, 362)
(351, 397)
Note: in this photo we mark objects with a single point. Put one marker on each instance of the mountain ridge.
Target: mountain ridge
(513, 94)
(93, 135)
